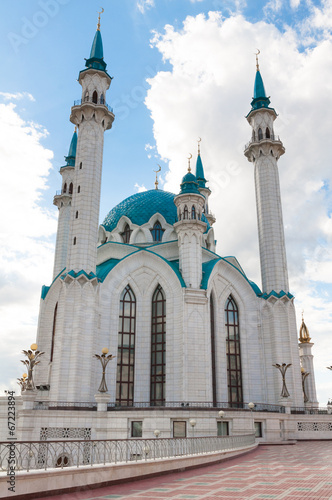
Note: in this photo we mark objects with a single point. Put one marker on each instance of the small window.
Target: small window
(102, 99)
(137, 429)
(223, 428)
(65, 188)
(70, 188)
(258, 430)
(267, 133)
(95, 97)
(86, 96)
(193, 212)
(74, 243)
(81, 166)
(76, 216)
(79, 189)
(126, 234)
(260, 134)
(179, 429)
(185, 212)
(157, 232)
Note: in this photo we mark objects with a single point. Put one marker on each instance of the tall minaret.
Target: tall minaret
(264, 150)
(190, 229)
(92, 116)
(203, 189)
(63, 201)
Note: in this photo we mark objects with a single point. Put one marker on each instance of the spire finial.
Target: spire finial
(75, 129)
(199, 146)
(98, 25)
(257, 54)
(189, 158)
(156, 181)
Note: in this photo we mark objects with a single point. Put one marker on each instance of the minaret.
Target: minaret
(307, 363)
(92, 116)
(264, 150)
(190, 228)
(203, 189)
(63, 201)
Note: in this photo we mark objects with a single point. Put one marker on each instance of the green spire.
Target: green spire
(96, 59)
(70, 159)
(199, 169)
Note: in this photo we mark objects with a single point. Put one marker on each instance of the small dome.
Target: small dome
(189, 184)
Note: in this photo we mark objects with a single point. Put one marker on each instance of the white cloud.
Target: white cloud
(140, 188)
(207, 93)
(144, 5)
(7, 96)
(25, 258)
(295, 3)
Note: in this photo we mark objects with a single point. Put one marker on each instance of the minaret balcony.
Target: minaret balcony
(264, 142)
(99, 102)
(62, 199)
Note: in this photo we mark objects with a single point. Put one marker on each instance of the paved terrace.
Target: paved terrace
(302, 471)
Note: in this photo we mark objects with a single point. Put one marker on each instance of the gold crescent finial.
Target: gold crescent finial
(189, 158)
(257, 54)
(98, 25)
(199, 145)
(156, 181)
(75, 129)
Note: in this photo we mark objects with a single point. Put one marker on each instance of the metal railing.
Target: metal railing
(45, 455)
(198, 405)
(101, 102)
(264, 138)
(300, 410)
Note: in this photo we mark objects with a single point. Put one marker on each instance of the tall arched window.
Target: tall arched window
(126, 234)
(157, 232)
(267, 133)
(185, 212)
(126, 349)
(260, 134)
(95, 97)
(213, 352)
(86, 96)
(193, 212)
(102, 99)
(53, 331)
(65, 188)
(233, 353)
(158, 348)
(70, 188)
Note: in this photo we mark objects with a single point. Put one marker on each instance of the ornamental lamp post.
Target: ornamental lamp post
(221, 414)
(22, 382)
(104, 360)
(156, 432)
(193, 424)
(251, 406)
(32, 354)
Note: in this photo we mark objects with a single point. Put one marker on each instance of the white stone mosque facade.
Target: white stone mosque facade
(189, 332)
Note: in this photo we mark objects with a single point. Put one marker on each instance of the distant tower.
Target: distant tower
(264, 150)
(307, 362)
(92, 116)
(63, 202)
(203, 189)
(190, 228)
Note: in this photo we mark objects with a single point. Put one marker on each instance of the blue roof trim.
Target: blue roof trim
(277, 295)
(45, 289)
(106, 267)
(72, 273)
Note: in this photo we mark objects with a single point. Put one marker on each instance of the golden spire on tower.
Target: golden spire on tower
(304, 333)
(189, 158)
(156, 181)
(98, 25)
(257, 54)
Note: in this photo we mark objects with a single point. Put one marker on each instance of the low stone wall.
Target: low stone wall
(35, 484)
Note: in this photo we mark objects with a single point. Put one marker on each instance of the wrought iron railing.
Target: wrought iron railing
(102, 102)
(300, 410)
(45, 455)
(198, 405)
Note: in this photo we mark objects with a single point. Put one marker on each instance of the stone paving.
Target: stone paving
(301, 471)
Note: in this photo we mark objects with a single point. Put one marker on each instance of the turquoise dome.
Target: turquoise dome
(189, 184)
(140, 207)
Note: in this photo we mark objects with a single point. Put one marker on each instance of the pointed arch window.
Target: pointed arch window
(158, 348)
(70, 188)
(267, 133)
(53, 331)
(157, 231)
(102, 99)
(126, 349)
(126, 234)
(260, 134)
(185, 212)
(193, 212)
(213, 352)
(95, 97)
(65, 188)
(233, 353)
(86, 96)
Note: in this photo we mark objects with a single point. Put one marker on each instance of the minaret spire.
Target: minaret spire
(98, 25)
(264, 150)
(203, 189)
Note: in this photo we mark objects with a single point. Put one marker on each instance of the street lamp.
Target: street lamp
(221, 414)
(156, 432)
(32, 354)
(251, 406)
(104, 361)
(193, 423)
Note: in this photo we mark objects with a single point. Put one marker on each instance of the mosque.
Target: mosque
(189, 332)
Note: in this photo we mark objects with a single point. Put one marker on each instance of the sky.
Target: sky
(183, 69)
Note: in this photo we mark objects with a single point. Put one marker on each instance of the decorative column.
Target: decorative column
(307, 362)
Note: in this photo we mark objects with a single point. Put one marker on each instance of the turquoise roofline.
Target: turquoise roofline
(189, 184)
(260, 99)
(45, 289)
(200, 172)
(96, 59)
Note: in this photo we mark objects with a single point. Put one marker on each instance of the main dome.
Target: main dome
(140, 207)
